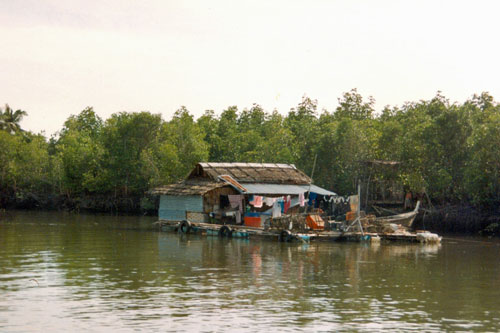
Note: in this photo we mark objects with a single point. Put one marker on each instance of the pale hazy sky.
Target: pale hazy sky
(57, 57)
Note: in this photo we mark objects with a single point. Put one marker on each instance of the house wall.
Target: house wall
(174, 208)
(211, 201)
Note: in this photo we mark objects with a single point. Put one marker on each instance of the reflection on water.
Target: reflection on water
(97, 273)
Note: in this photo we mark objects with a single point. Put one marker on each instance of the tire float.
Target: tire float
(185, 227)
(285, 236)
(225, 231)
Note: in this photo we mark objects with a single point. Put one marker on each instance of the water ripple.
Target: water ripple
(95, 275)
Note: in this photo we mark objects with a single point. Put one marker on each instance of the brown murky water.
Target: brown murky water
(63, 272)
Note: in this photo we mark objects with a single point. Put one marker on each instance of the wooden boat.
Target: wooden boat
(405, 219)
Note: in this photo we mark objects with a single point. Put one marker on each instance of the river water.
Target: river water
(66, 272)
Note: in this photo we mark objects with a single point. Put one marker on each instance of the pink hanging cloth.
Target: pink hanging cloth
(301, 200)
(257, 201)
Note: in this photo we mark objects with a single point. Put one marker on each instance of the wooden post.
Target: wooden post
(312, 175)
(358, 212)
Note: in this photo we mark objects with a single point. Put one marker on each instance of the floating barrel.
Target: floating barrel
(240, 234)
(212, 232)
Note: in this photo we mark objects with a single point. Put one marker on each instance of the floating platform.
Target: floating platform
(242, 231)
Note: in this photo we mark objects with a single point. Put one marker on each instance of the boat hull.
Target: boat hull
(405, 219)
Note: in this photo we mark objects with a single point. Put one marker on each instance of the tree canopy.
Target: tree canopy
(449, 150)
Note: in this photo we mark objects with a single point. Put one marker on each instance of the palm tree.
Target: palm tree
(2, 122)
(9, 119)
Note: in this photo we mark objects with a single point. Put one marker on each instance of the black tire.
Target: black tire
(285, 236)
(225, 231)
(185, 227)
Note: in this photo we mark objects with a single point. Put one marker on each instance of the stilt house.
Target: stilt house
(204, 194)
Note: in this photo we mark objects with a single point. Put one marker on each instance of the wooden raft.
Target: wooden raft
(242, 231)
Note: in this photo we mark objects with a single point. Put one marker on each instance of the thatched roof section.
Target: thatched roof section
(269, 173)
(188, 188)
(209, 176)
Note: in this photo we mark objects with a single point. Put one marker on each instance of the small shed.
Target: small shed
(204, 191)
(381, 184)
(190, 199)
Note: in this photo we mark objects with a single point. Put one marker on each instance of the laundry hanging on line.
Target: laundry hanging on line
(276, 209)
(235, 201)
(269, 201)
(287, 203)
(312, 198)
(301, 200)
(256, 201)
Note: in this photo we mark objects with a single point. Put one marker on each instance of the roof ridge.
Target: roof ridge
(248, 164)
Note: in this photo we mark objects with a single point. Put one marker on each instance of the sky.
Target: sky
(59, 56)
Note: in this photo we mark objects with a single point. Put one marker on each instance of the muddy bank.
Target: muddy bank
(461, 219)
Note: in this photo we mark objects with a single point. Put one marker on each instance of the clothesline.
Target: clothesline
(257, 201)
(280, 205)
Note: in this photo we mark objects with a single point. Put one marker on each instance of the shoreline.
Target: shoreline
(447, 220)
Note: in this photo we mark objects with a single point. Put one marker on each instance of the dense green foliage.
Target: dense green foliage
(449, 150)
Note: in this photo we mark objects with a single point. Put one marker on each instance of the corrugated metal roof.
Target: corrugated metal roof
(319, 190)
(284, 189)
